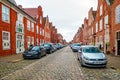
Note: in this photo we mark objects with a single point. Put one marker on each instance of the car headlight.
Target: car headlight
(86, 58)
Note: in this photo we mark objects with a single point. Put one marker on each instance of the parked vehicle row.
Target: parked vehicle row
(89, 55)
(42, 50)
(75, 47)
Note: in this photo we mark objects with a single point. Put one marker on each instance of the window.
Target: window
(19, 24)
(28, 40)
(118, 14)
(32, 26)
(96, 27)
(101, 10)
(20, 18)
(105, 21)
(5, 14)
(41, 31)
(100, 24)
(6, 39)
(40, 19)
(37, 30)
(33, 40)
(28, 25)
(118, 35)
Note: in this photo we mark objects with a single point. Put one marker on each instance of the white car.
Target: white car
(91, 56)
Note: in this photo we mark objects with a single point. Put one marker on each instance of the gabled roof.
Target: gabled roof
(31, 11)
(94, 14)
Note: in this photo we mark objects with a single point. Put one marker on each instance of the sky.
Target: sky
(66, 15)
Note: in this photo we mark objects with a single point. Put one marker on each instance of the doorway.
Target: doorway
(118, 47)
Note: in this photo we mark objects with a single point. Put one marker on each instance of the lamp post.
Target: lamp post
(94, 35)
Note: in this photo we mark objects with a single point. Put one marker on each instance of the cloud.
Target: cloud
(66, 15)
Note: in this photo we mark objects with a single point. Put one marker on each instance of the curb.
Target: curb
(14, 61)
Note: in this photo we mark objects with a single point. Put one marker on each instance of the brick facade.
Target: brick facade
(101, 27)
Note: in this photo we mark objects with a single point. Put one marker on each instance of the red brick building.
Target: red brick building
(115, 27)
(38, 32)
(12, 28)
(47, 35)
(78, 38)
(54, 36)
(102, 26)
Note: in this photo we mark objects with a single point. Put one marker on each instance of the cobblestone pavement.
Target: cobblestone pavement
(107, 73)
(7, 67)
(61, 65)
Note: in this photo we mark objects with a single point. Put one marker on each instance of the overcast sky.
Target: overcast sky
(66, 15)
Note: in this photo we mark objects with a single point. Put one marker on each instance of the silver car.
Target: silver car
(75, 47)
(91, 56)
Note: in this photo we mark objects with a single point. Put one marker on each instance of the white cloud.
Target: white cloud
(66, 15)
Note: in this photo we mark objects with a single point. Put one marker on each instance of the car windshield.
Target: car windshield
(47, 45)
(35, 48)
(91, 50)
(77, 45)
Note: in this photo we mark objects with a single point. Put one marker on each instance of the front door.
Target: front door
(118, 47)
(19, 43)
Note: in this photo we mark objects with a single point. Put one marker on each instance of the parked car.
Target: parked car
(49, 48)
(91, 56)
(75, 47)
(35, 52)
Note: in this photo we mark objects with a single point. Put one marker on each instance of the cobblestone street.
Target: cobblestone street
(60, 65)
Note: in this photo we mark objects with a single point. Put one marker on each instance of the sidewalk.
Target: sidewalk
(113, 62)
(11, 58)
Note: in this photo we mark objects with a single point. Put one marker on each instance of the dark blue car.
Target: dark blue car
(35, 52)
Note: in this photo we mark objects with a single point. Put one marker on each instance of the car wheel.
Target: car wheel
(82, 63)
(39, 56)
(50, 51)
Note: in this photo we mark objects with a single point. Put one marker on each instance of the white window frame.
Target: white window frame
(101, 8)
(32, 38)
(37, 29)
(32, 26)
(28, 41)
(7, 42)
(37, 41)
(105, 21)
(117, 15)
(96, 27)
(101, 25)
(5, 14)
(40, 19)
(20, 18)
(28, 25)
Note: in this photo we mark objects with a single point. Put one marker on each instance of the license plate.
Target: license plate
(96, 62)
(28, 55)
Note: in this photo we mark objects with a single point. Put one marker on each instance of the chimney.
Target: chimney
(20, 6)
